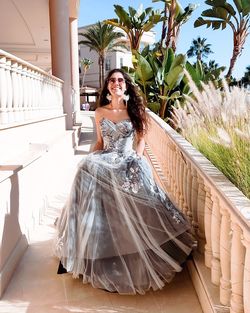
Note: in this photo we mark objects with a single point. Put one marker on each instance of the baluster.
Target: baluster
(3, 92)
(237, 270)
(60, 96)
(9, 92)
(52, 104)
(215, 236)
(33, 95)
(164, 159)
(40, 102)
(188, 188)
(25, 94)
(46, 94)
(58, 105)
(225, 250)
(20, 86)
(167, 162)
(29, 94)
(184, 188)
(15, 90)
(170, 169)
(174, 164)
(246, 281)
(201, 198)
(38, 90)
(208, 223)
(180, 182)
(194, 198)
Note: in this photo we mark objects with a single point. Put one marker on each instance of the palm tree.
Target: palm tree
(103, 38)
(246, 78)
(85, 65)
(174, 17)
(212, 65)
(135, 23)
(199, 49)
(223, 14)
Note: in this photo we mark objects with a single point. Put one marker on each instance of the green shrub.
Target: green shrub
(217, 123)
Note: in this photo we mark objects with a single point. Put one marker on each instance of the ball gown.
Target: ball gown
(119, 230)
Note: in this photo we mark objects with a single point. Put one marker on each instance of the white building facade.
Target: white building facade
(115, 59)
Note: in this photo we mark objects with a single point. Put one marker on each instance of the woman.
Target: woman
(119, 230)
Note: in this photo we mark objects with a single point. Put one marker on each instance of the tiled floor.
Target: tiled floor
(36, 288)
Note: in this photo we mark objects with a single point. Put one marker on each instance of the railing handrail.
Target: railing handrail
(29, 65)
(217, 211)
(216, 179)
(27, 92)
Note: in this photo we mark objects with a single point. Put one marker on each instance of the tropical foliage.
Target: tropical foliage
(103, 38)
(199, 49)
(201, 73)
(159, 77)
(223, 14)
(174, 16)
(245, 81)
(134, 23)
(217, 123)
(85, 65)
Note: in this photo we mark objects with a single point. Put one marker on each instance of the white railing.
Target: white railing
(27, 92)
(218, 212)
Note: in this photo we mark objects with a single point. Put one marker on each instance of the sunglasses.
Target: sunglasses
(113, 80)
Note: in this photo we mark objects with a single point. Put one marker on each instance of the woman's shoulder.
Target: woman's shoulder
(100, 112)
(99, 109)
(102, 109)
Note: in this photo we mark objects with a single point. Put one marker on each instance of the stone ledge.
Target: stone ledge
(9, 267)
(207, 292)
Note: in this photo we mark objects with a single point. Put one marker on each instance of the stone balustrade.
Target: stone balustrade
(218, 212)
(27, 92)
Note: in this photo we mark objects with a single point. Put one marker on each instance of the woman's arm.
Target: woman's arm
(99, 141)
(140, 144)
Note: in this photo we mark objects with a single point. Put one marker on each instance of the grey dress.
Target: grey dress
(118, 230)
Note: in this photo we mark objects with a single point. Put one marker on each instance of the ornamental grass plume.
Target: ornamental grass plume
(217, 123)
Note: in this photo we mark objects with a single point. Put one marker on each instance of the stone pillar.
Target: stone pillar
(61, 52)
(75, 65)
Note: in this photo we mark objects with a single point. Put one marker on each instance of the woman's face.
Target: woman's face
(116, 84)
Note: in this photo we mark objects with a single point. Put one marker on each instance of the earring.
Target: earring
(109, 98)
(125, 97)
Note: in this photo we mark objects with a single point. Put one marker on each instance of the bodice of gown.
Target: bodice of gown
(117, 137)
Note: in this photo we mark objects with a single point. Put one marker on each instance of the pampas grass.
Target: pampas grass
(217, 123)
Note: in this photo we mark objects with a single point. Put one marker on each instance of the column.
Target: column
(75, 66)
(61, 52)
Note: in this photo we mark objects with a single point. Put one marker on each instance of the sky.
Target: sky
(221, 41)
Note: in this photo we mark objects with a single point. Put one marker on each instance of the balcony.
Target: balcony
(38, 161)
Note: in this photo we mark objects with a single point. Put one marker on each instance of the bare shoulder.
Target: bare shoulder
(98, 112)
(101, 111)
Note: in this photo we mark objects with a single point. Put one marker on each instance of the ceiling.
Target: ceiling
(24, 32)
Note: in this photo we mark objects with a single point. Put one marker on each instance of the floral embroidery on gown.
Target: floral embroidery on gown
(119, 230)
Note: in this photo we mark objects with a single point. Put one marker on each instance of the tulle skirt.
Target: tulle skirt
(118, 230)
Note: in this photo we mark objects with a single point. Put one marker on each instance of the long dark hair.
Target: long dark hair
(135, 103)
